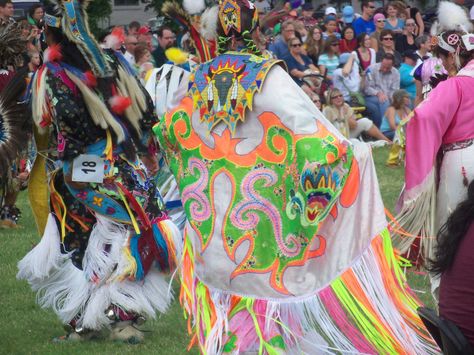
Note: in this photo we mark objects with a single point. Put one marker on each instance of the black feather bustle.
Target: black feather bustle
(15, 121)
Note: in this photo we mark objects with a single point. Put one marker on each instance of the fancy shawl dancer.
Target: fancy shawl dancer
(108, 243)
(439, 170)
(280, 254)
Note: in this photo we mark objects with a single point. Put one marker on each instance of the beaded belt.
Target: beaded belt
(458, 145)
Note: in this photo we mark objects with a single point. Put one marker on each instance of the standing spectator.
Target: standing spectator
(329, 60)
(144, 36)
(348, 42)
(342, 116)
(364, 55)
(393, 21)
(407, 81)
(382, 80)
(314, 43)
(280, 47)
(348, 16)
(6, 12)
(396, 112)
(346, 78)
(299, 64)
(365, 23)
(379, 21)
(330, 26)
(166, 39)
(130, 45)
(34, 62)
(307, 16)
(406, 40)
(133, 28)
(388, 46)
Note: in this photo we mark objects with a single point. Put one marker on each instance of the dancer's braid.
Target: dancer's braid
(249, 43)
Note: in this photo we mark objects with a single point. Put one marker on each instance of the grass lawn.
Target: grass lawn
(27, 329)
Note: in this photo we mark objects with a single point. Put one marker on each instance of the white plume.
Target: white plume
(453, 17)
(209, 23)
(194, 7)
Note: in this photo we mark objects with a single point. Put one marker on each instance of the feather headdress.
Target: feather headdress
(194, 7)
(14, 121)
(71, 17)
(12, 45)
(452, 17)
(209, 20)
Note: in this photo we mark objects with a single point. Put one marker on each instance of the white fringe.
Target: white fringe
(45, 256)
(71, 292)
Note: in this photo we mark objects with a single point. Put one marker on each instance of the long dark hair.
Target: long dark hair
(452, 233)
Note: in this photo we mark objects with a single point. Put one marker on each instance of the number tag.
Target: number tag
(88, 168)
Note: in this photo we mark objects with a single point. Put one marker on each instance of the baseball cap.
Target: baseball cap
(378, 17)
(308, 7)
(143, 30)
(348, 14)
(330, 11)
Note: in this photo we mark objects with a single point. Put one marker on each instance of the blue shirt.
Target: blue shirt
(330, 64)
(406, 80)
(292, 63)
(385, 126)
(280, 49)
(360, 25)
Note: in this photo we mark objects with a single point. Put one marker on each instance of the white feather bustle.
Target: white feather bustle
(75, 294)
(453, 17)
(194, 7)
(209, 23)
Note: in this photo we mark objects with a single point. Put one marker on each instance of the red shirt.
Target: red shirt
(347, 46)
(456, 294)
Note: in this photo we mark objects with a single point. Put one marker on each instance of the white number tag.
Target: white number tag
(88, 168)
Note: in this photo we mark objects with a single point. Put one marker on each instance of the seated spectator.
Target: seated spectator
(130, 45)
(382, 80)
(396, 112)
(316, 100)
(388, 46)
(364, 55)
(280, 47)
(414, 13)
(307, 16)
(407, 81)
(393, 21)
(406, 40)
(364, 23)
(300, 31)
(342, 116)
(329, 60)
(423, 46)
(454, 262)
(314, 43)
(330, 26)
(348, 16)
(348, 42)
(347, 78)
(379, 21)
(299, 65)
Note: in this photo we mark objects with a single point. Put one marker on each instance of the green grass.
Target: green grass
(27, 329)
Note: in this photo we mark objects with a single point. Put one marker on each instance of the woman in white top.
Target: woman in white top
(364, 56)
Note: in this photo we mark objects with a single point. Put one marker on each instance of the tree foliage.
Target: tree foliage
(97, 11)
(156, 5)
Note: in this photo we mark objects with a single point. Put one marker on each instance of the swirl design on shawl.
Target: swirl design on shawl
(200, 208)
(244, 217)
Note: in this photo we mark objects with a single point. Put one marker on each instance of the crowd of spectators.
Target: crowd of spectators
(366, 56)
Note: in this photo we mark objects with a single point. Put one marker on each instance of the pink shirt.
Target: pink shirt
(446, 116)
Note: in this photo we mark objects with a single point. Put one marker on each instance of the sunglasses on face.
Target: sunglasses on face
(388, 38)
(336, 96)
(296, 45)
(316, 101)
(371, 7)
(380, 20)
